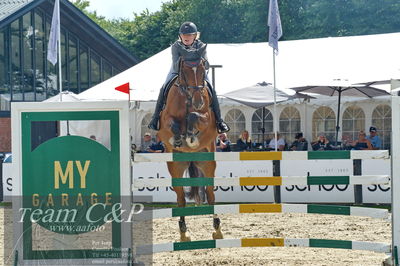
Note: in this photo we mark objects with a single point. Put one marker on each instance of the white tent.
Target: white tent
(84, 128)
(67, 96)
(300, 62)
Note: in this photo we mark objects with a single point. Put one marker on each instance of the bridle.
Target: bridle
(188, 90)
(182, 82)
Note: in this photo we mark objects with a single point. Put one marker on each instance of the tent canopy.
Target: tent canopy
(300, 62)
(66, 96)
(261, 95)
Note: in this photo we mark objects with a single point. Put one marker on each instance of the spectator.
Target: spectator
(223, 143)
(346, 142)
(156, 147)
(93, 137)
(362, 143)
(374, 139)
(322, 144)
(244, 142)
(300, 143)
(281, 143)
(146, 142)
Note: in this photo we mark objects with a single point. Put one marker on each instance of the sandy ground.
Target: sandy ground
(275, 225)
(264, 225)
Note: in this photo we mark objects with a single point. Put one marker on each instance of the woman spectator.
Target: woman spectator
(322, 144)
(362, 143)
(244, 142)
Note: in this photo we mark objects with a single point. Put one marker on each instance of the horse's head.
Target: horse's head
(189, 119)
(192, 82)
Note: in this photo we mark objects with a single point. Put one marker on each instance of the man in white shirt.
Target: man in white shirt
(273, 143)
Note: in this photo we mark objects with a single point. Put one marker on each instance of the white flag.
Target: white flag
(54, 34)
(274, 23)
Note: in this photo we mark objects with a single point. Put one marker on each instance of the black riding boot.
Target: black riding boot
(222, 127)
(156, 116)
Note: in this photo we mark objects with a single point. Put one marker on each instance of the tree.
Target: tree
(239, 21)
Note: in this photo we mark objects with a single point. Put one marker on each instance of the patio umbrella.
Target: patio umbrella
(261, 95)
(341, 88)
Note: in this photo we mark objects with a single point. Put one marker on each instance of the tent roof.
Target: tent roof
(67, 96)
(258, 95)
(299, 63)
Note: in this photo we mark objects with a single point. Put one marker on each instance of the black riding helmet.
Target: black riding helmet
(188, 28)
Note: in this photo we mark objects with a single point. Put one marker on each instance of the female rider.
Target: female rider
(187, 41)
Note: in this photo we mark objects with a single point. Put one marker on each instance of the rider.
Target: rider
(187, 40)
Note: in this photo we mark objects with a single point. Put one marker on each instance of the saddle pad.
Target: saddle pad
(192, 63)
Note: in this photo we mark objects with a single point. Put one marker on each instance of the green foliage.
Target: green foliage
(238, 21)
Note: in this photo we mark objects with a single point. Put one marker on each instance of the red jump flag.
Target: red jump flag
(123, 88)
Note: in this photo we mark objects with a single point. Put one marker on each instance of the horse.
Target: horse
(187, 124)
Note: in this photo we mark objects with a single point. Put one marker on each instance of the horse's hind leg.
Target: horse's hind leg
(176, 169)
(208, 168)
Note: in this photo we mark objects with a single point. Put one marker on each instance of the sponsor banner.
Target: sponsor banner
(306, 194)
(376, 193)
(222, 194)
(7, 182)
(317, 193)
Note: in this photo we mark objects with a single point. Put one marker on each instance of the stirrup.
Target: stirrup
(222, 127)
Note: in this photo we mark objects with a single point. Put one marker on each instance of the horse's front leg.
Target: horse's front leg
(176, 141)
(196, 122)
(176, 169)
(208, 168)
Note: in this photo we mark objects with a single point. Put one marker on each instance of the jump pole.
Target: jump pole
(395, 178)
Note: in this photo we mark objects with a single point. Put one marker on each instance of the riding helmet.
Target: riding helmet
(188, 28)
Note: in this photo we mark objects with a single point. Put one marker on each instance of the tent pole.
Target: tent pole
(338, 118)
(263, 127)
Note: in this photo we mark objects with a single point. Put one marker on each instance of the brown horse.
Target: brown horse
(187, 124)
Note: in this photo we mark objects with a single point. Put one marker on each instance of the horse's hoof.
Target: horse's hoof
(193, 142)
(217, 235)
(185, 238)
(177, 143)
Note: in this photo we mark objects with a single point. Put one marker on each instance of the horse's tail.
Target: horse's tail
(196, 193)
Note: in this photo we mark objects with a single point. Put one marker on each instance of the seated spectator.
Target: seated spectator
(300, 143)
(156, 147)
(322, 144)
(374, 139)
(362, 143)
(146, 142)
(223, 143)
(244, 143)
(346, 142)
(92, 137)
(281, 143)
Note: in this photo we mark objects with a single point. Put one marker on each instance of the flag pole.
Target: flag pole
(275, 117)
(54, 44)
(59, 49)
(275, 33)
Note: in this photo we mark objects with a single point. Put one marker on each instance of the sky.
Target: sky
(124, 8)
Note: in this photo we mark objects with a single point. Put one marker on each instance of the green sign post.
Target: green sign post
(71, 185)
